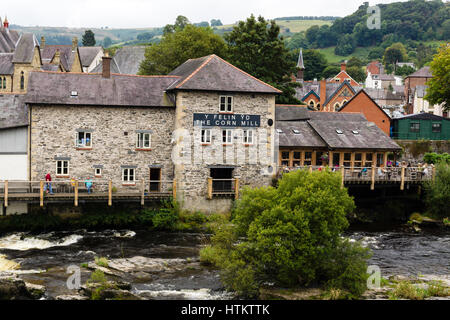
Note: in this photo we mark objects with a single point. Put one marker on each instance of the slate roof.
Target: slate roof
(67, 55)
(8, 40)
(6, 65)
(369, 135)
(318, 129)
(93, 89)
(306, 137)
(425, 72)
(384, 94)
(286, 113)
(331, 92)
(212, 73)
(423, 116)
(88, 54)
(24, 51)
(13, 111)
(356, 95)
(127, 60)
(383, 77)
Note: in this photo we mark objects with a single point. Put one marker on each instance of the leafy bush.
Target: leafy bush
(438, 192)
(435, 158)
(291, 236)
(102, 262)
(164, 218)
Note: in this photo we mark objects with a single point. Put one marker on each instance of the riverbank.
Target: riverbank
(165, 265)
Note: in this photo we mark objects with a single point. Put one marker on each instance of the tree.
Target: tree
(376, 53)
(357, 73)
(146, 36)
(176, 48)
(311, 34)
(404, 71)
(354, 62)
(297, 41)
(88, 38)
(331, 71)
(438, 192)
(256, 47)
(107, 42)
(291, 235)
(315, 64)
(439, 90)
(395, 53)
(203, 24)
(180, 23)
(345, 46)
(216, 23)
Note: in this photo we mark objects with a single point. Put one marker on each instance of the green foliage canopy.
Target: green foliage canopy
(88, 38)
(439, 88)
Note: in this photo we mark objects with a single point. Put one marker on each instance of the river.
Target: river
(44, 259)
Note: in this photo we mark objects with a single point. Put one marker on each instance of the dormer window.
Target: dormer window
(74, 93)
(226, 104)
(296, 131)
(339, 131)
(355, 132)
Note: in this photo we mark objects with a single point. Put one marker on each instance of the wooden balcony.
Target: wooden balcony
(374, 175)
(74, 191)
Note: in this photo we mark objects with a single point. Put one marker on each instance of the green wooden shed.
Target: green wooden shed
(421, 126)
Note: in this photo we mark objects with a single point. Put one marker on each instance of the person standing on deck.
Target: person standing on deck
(88, 184)
(48, 184)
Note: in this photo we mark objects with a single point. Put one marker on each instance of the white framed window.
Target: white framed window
(206, 136)
(226, 104)
(129, 175)
(98, 172)
(227, 136)
(143, 140)
(248, 137)
(62, 168)
(83, 139)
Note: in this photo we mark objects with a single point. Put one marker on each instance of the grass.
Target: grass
(360, 52)
(407, 290)
(102, 262)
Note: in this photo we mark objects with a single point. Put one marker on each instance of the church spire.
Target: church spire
(300, 66)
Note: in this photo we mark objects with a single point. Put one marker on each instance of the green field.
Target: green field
(360, 52)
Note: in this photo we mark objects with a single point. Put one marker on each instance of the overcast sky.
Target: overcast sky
(150, 13)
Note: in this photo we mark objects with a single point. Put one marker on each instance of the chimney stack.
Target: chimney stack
(323, 94)
(74, 43)
(106, 68)
(57, 58)
(6, 23)
(344, 66)
(42, 42)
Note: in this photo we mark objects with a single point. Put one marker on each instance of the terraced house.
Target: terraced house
(121, 128)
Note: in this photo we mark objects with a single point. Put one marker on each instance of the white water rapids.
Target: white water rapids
(20, 242)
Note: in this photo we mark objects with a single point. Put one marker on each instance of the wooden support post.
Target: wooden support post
(314, 158)
(372, 187)
(343, 177)
(143, 193)
(433, 177)
(210, 188)
(76, 193)
(6, 193)
(310, 169)
(330, 159)
(174, 189)
(352, 165)
(41, 194)
(236, 188)
(110, 193)
(341, 159)
(402, 185)
(385, 159)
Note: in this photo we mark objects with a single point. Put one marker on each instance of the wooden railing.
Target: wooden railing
(74, 190)
(223, 187)
(374, 175)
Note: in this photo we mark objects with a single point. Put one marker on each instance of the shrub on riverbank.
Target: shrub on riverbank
(290, 235)
(438, 192)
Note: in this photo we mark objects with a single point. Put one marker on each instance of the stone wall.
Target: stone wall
(192, 178)
(414, 150)
(53, 132)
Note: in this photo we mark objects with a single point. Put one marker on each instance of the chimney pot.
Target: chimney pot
(74, 43)
(42, 42)
(106, 67)
(344, 66)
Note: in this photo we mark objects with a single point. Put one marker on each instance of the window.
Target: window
(143, 140)
(369, 160)
(311, 103)
(22, 81)
(355, 131)
(308, 159)
(226, 104)
(248, 137)
(285, 158)
(347, 160)
(436, 128)
(295, 131)
(297, 159)
(414, 127)
(227, 136)
(279, 131)
(339, 131)
(1, 83)
(84, 139)
(358, 160)
(98, 172)
(128, 175)
(4, 83)
(62, 168)
(336, 106)
(206, 136)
